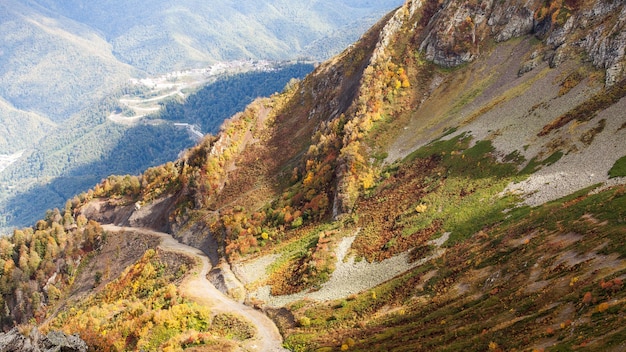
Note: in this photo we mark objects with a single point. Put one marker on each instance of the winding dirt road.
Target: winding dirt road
(198, 288)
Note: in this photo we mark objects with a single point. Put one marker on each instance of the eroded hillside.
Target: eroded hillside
(453, 180)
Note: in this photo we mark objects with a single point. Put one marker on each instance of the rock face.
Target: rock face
(511, 21)
(225, 280)
(606, 42)
(455, 32)
(451, 33)
(55, 341)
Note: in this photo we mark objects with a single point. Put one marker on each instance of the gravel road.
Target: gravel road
(198, 288)
(352, 277)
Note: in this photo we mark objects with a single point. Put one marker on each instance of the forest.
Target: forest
(217, 101)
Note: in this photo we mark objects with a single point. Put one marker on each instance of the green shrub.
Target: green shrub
(304, 321)
(297, 222)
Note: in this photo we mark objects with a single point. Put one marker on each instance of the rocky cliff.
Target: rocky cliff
(458, 30)
(34, 341)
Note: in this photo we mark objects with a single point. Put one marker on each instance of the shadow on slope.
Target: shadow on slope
(102, 148)
(137, 149)
(209, 106)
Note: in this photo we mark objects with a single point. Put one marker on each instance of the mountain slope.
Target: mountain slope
(60, 59)
(464, 161)
(51, 65)
(194, 32)
(19, 129)
(88, 147)
(81, 50)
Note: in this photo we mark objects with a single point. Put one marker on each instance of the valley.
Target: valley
(153, 93)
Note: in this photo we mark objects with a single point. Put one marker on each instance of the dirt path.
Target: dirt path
(198, 288)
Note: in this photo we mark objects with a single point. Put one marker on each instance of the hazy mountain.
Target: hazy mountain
(57, 57)
(19, 129)
(51, 65)
(159, 36)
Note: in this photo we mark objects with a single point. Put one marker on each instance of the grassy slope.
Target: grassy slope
(513, 280)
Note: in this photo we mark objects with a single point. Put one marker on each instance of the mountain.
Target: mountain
(160, 36)
(19, 129)
(81, 50)
(455, 180)
(59, 60)
(53, 66)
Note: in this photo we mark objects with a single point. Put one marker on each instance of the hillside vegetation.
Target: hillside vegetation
(469, 154)
(87, 148)
(60, 59)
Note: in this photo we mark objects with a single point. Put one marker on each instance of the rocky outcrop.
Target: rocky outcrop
(393, 25)
(511, 21)
(455, 32)
(605, 41)
(225, 280)
(55, 341)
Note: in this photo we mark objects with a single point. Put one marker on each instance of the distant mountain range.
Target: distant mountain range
(57, 57)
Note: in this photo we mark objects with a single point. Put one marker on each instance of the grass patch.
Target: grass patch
(470, 96)
(619, 168)
(445, 186)
(293, 249)
(534, 165)
(553, 158)
(305, 263)
(440, 147)
(514, 157)
(571, 81)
